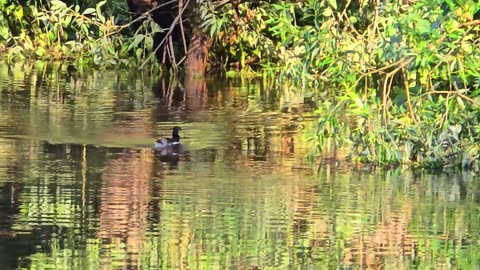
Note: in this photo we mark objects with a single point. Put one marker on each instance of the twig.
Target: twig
(445, 115)
(400, 62)
(181, 60)
(148, 12)
(375, 26)
(452, 50)
(172, 26)
(172, 52)
(407, 94)
(121, 27)
(470, 23)
(185, 49)
(451, 92)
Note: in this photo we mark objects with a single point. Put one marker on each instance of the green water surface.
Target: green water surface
(81, 187)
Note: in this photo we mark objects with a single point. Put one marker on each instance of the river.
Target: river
(82, 188)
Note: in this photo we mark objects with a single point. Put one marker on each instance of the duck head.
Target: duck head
(176, 130)
(175, 136)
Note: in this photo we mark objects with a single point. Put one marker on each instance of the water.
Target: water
(81, 188)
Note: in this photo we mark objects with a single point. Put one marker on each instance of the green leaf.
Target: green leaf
(4, 33)
(156, 28)
(149, 42)
(327, 12)
(212, 30)
(138, 38)
(139, 53)
(52, 36)
(88, 11)
(19, 13)
(57, 4)
(333, 3)
(40, 51)
(423, 26)
(279, 7)
(203, 13)
(84, 29)
(66, 21)
(99, 12)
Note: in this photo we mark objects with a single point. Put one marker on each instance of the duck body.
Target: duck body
(165, 142)
(169, 142)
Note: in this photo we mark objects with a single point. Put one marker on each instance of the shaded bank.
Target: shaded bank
(182, 40)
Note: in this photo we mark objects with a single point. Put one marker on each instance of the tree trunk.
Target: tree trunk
(196, 63)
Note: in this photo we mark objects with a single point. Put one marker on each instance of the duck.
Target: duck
(168, 142)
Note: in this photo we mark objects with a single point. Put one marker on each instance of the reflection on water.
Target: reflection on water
(81, 187)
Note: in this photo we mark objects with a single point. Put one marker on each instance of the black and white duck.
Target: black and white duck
(168, 142)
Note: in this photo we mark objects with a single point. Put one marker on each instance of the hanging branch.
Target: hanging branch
(172, 54)
(172, 26)
(374, 26)
(184, 40)
(144, 15)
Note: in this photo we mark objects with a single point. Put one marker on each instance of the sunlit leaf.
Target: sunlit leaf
(315, 53)
(88, 11)
(278, 7)
(66, 21)
(84, 29)
(99, 12)
(57, 4)
(333, 3)
(423, 26)
(40, 51)
(468, 16)
(4, 33)
(328, 12)
(212, 30)
(19, 12)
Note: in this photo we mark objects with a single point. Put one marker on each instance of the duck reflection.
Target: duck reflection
(170, 155)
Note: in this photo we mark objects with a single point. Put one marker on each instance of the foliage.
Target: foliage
(406, 73)
(86, 36)
(421, 90)
(442, 134)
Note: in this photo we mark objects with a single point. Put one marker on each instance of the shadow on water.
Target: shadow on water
(82, 188)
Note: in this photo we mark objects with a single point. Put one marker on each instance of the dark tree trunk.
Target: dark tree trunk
(196, 63)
